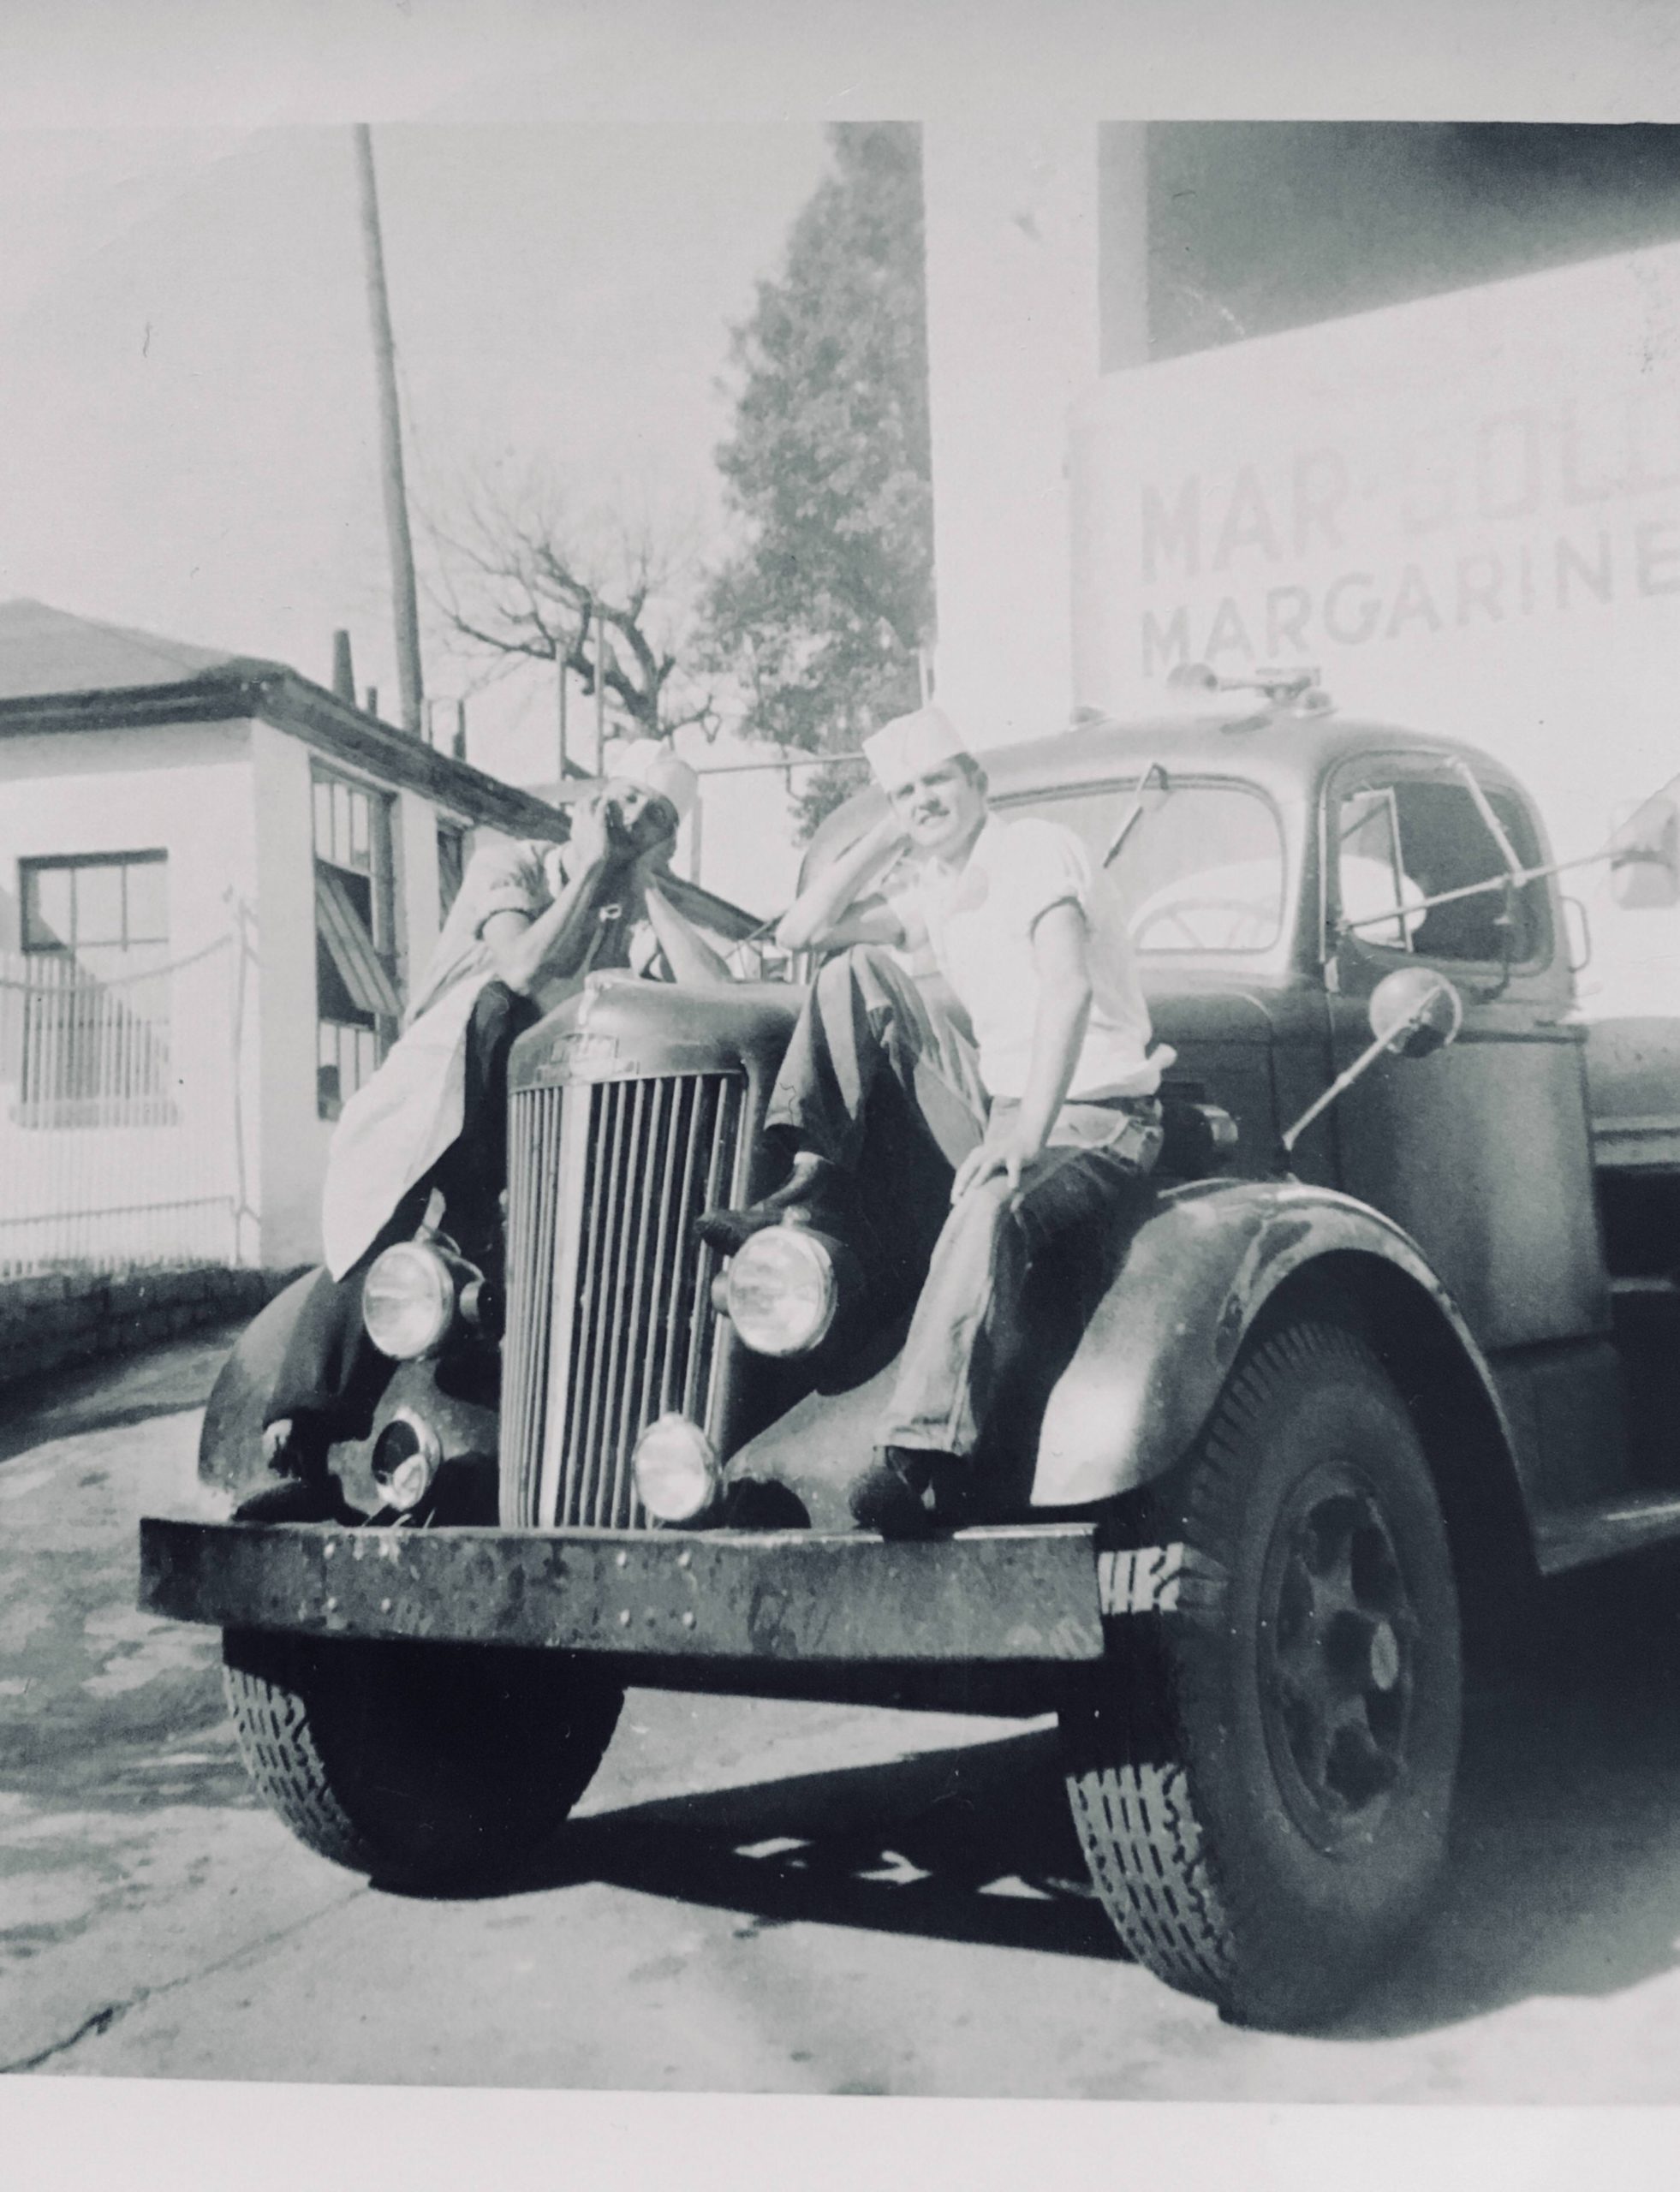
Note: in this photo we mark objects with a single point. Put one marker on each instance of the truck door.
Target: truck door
(1482, 1151)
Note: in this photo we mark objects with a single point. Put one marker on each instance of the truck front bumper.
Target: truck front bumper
(1020, 1596)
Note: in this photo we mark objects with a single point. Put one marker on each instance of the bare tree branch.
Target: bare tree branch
(521, 577)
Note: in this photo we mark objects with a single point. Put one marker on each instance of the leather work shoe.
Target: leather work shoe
(891, 1496)
(809, 1183)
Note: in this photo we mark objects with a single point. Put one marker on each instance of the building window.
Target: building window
(96, 1027)
(357, 1005)
(451, 866)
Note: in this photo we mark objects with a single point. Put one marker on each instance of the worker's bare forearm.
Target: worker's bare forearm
(689, 956)
(818, 910)
(554, 944)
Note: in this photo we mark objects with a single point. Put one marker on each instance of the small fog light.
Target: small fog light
(781, 1291)
(676, 1469)
(408, 1300)
(407, 1455)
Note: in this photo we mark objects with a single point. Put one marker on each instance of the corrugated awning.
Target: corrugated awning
(351, 948)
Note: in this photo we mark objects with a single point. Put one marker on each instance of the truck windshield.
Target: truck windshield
(1199, 867)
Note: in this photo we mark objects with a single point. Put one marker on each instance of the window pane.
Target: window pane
(323, 818)
(99, 899)
(360, 854)
(1446, 845)
(147, 885)
(341, 824)
(1200, 867)
(46, 909)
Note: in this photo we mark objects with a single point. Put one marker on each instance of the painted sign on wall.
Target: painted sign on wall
(1466, 511)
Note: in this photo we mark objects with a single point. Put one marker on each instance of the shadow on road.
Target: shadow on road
(1563, 1877)
(973, 1843)
(109, 1395)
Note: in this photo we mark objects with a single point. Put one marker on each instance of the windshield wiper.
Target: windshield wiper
(1134, 813)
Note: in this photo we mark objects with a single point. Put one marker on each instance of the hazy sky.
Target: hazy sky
(187, 420)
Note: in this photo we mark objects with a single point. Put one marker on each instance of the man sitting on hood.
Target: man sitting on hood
(1044, 1102)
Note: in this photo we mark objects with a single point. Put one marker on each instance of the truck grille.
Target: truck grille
(611, 1320)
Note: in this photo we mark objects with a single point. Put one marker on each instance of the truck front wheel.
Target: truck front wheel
(422, 1765)
(1261, 1777)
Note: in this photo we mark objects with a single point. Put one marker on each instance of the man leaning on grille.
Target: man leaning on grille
(530, 920)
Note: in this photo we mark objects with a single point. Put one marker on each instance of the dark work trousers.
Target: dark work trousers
(332, 1375)
(867, 1030)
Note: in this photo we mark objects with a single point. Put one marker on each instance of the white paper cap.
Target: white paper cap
(650, 763)
(911, 744)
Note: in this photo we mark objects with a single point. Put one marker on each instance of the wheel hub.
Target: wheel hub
(1338, 1653)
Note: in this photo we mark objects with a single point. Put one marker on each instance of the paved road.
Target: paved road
(754, 1896)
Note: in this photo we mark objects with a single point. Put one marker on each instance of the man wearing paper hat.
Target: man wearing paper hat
(1034, 1097)
(650, 763)
(529, 921)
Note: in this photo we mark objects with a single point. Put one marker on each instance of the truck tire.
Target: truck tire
(1261, 1776)
(421, 1765)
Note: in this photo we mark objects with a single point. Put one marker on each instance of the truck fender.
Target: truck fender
(231, 1442)
(1152, 1360)
(230, 1437)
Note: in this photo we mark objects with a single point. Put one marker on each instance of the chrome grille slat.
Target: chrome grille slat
(532, 1135)
(607, 1180)
(630, 1416)
(592, 1336)
(680, 1100)
(700, 1357)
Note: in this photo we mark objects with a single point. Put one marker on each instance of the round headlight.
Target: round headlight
(676, 1469)
(781, 1291)
(408, 1300)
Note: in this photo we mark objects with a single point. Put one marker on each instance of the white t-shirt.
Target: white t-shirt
(979, 922)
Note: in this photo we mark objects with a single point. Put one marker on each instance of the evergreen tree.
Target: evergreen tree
(823, 616)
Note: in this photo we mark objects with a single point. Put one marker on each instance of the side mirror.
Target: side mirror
(1644, 855)
(1414, 1010)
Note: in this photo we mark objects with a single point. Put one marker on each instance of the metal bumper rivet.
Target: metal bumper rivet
(689, 1618)
(624, 1559)
(623, 1616)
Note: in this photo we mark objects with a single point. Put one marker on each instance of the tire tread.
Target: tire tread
(1173, 1897)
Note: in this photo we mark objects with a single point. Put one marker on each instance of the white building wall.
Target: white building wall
(414, 843)
(186, 791)
(294, 1139)
(1012, 331)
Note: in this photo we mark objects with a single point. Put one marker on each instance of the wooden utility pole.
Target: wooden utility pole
(601, 690)
(405, 604)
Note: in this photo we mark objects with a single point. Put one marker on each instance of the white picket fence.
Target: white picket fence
(118, 1118)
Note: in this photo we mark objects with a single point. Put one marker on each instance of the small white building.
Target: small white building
(216, 879)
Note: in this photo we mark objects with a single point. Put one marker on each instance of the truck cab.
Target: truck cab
(1382, 1345)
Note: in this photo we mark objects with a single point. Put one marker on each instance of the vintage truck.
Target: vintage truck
(1392, 1336)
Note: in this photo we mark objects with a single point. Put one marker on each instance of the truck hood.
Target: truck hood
(617, 1028)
